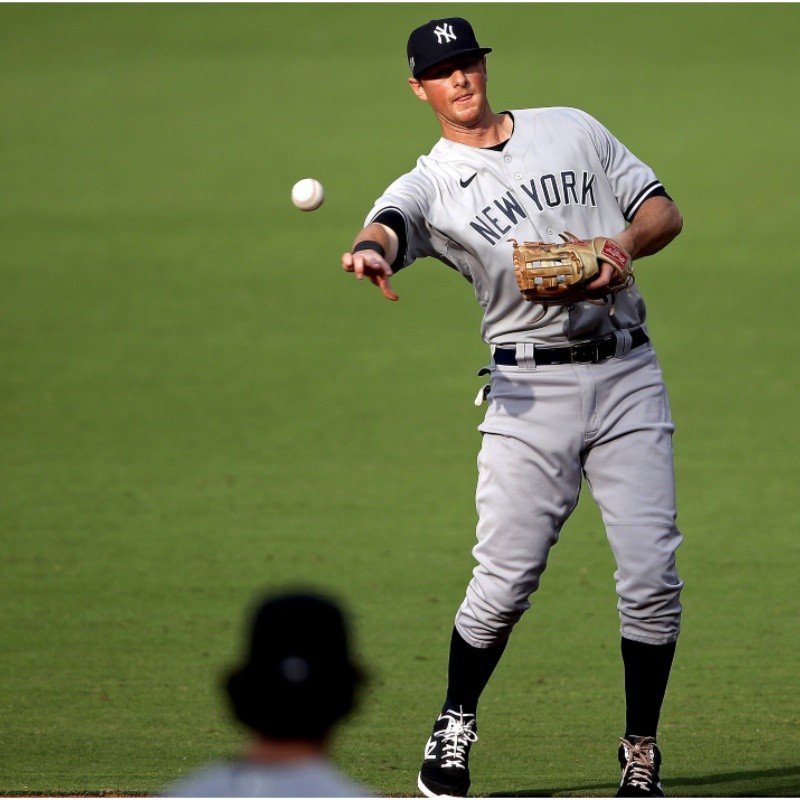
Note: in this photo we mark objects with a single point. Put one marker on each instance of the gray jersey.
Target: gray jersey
(308, 778)
(561, 170)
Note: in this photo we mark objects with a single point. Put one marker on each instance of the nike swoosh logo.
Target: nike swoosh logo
(468, 181)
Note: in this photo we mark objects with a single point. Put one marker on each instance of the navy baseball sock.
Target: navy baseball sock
(647, 668)
(468, 672)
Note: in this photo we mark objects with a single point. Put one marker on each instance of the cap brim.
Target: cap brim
(472, 51)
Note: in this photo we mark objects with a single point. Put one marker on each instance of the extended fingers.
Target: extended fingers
(363, 263)
(385, 287)
(372, 266)
(369, 264)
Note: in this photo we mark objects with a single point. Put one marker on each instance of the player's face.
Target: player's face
(455, 89)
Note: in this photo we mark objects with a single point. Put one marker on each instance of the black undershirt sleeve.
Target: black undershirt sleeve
(394, 220)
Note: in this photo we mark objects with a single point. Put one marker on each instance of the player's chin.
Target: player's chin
(467, 114)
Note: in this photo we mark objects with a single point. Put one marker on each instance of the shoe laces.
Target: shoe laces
(640, 769)
(457, 737)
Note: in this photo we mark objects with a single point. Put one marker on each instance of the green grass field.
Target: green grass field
(196, 404)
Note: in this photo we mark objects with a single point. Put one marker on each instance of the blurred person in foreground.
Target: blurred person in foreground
(298, 680)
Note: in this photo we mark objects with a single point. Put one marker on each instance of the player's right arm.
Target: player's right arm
(374, 249)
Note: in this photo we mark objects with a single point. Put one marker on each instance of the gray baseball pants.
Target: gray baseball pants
(544, 429)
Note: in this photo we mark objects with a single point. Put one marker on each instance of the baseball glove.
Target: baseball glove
(557, 273)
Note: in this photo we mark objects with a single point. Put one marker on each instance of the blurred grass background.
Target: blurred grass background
(197, 404)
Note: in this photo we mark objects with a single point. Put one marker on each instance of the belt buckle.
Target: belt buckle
(585, 353)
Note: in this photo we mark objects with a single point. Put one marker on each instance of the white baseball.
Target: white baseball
(308, 194)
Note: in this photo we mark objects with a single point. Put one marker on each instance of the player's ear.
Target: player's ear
(416, 87)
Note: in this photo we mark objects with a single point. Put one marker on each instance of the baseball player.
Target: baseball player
(575, 387)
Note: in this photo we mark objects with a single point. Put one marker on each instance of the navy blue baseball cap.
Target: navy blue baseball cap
(440, 40)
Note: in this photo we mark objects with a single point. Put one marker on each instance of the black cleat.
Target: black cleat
(640, 760)
(445, 769)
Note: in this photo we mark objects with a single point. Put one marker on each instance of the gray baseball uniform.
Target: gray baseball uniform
(547, 422)
(310, 778)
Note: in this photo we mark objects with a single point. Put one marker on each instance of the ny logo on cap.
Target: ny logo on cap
(444, 33)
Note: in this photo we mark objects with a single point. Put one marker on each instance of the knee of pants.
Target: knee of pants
(650, 612)
(647, 581)
(491, 609)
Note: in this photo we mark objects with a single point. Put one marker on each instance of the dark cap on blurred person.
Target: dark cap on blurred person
(299, 677)
(440, 40)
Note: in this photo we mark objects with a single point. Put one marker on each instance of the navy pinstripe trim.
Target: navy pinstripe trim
(652, 190)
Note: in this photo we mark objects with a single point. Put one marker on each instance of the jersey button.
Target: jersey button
(507, 159)
(518, 176)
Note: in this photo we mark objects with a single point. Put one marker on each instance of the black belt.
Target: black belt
(589, 352)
